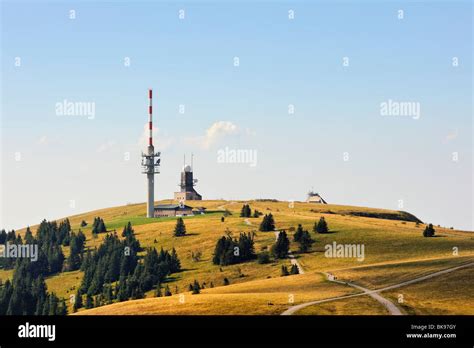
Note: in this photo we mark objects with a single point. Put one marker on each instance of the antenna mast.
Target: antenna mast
(150, 167)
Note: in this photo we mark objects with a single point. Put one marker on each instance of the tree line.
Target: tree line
(114, 271)
(26, 293)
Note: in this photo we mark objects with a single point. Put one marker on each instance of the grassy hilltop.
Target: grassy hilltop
(395, 250)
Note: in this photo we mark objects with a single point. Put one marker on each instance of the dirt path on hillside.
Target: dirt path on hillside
(392, 308)
(292, 258)
(294, 309)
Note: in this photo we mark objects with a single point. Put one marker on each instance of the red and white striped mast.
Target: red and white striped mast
(150, 117)
(150, 161)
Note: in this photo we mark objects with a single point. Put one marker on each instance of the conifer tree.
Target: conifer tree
(298, 233)
(62, 308)
(267, 224)
(281, 247)
(321, 226)
(429, 231)
(77, 301)
(196, 288)
(180, 228)
(305, 242)
(89, 302)
(294, 269)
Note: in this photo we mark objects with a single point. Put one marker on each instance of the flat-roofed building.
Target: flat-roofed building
(165, 210)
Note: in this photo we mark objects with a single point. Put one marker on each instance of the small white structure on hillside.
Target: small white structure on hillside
(314, 197)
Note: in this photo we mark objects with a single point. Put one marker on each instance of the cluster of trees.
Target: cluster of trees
(321, 226)
(293, 270)
(267, 224)
(159, 293)
(27, 293)
(98, 226)
(180, 228)
(229, 250)
(117, 261)
(303, 238)
(429, 231)
(282, 246)
(48, 240)
(247, 212)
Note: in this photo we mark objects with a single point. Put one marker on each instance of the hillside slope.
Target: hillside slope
(388, 237)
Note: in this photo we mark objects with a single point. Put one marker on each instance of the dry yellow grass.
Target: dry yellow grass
(449, 294)
(268, 296)
(379, 276)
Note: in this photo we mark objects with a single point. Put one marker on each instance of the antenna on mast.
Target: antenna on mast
(149, 165)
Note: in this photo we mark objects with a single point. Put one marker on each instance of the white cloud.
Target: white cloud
(217, 131)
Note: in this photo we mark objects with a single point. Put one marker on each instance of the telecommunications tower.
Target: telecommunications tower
(150, 162)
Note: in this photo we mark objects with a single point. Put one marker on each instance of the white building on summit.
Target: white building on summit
(314, 197)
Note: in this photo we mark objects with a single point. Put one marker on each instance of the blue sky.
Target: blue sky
(190, 62)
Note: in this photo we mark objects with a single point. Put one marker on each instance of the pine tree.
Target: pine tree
(62, 308)
(122, 290)
(281, 247)
(284, 271)
(321, 226)
(298, 233)
(429, 231)
(196, 288)
(53, 304)
(167, 291)
(175, 264)
(294, 269)
(77, 301)
(226, 281)
(180, 228)
(89, 302)
(242, 211)
(267, 224)
(305, 242)
(101, 226)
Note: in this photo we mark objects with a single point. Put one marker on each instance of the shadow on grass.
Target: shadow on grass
(188, 235)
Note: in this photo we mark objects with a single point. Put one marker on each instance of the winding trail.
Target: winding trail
(374, 293)
(389, 305)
